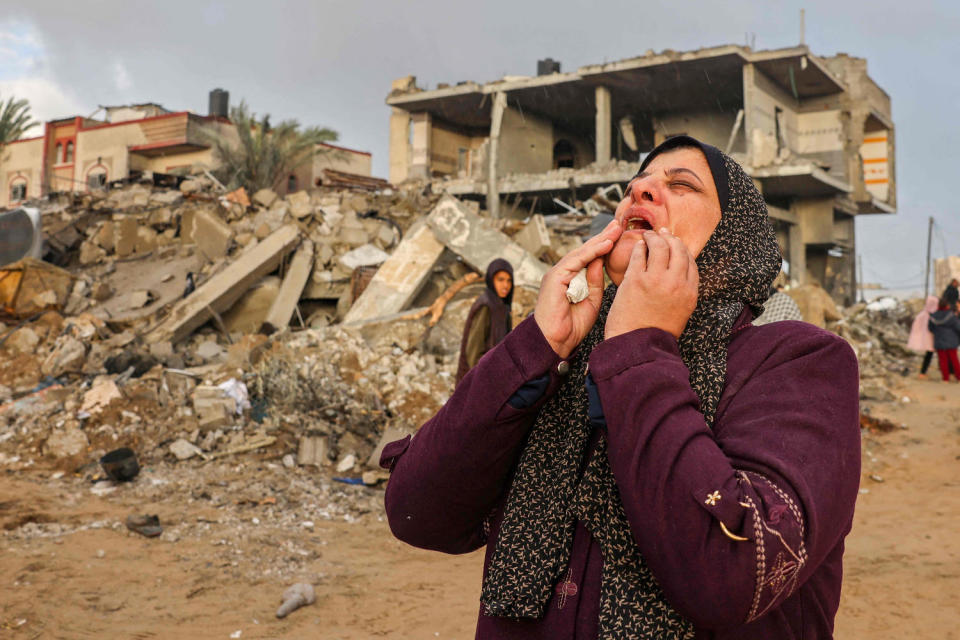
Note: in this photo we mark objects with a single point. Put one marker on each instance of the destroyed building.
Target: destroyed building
(77, 154)
(816, 134)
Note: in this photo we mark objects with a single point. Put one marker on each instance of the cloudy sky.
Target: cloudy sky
(331, 63)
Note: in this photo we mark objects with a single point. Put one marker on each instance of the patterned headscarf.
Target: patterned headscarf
(548, 495)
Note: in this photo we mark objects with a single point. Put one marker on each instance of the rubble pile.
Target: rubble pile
(878, 334)
(196, 326)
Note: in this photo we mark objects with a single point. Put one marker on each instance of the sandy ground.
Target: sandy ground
(70, 569)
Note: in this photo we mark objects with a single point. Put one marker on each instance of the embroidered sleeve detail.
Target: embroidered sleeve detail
(778, 530)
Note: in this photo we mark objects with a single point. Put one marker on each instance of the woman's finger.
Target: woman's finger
(597, 246)
(638, 258)
(679, 255)
(658, 252)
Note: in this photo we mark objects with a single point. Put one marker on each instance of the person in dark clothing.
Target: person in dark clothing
(952, 294)
(645, 463)
(945, 326)
(488, 321)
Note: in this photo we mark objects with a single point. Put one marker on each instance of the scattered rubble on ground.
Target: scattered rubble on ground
(258, 349)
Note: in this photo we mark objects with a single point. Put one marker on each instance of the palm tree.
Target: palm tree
(14, 119)
(263, 155)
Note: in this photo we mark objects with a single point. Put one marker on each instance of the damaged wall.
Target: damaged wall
(712, 127)
(526, 143)
(21, 162)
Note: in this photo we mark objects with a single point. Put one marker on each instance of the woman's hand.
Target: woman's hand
(659, 287)
(563, 324)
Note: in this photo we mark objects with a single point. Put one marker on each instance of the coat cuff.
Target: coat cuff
(630, 349)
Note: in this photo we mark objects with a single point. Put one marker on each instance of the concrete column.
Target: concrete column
(748, 83)
(603, 125)
(420, 154)
(496, 119)
(798, 255)
(399, 145)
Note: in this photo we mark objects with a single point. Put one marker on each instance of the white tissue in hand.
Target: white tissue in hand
(578, 289)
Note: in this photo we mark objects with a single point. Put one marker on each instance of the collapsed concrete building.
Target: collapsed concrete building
(815, 133)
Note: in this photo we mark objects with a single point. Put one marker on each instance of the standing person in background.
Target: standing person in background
(951, 294)
(945, 326)
(921, 339)
(488, 321)
(779, 306)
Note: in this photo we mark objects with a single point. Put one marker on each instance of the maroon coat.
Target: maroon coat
(780, 467)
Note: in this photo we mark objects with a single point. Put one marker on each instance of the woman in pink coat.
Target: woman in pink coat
(920, 337)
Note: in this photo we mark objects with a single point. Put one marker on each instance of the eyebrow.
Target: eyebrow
(671, 172)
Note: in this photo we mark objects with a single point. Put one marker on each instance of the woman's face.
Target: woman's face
(675, 191)
(502, 283)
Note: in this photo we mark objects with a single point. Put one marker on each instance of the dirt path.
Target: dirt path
(238, 534)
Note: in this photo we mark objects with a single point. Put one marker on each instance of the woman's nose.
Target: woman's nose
(642, 190)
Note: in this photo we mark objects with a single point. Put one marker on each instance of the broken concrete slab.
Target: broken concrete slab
(221, 291)
(534, 237)
(286, 302)
(22, 340)
(399, 279)
(469, 236)
(212, 235)
(248, 314)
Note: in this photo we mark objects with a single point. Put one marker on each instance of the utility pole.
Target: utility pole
(803, 26)
(926, 265)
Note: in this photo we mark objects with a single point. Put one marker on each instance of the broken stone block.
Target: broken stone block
(300, 205)
(146, 240)
(312, 450)
(210, 350)
(23, 340)
(99, 396)
(160, 217)
(186, 224)
(64, 443)
(101, 291)
(104, 236)
(161, 350)
(90, 253)
(67, 356)
(138, 299)
(213, 407)
(265, 197)
(126, 236)
(190, 186)
(346, 463)
(364, 256)
(184, 450)
(212, 235)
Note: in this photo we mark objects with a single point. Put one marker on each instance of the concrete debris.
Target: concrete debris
(364, 256)
(469, 236)
(299, 595)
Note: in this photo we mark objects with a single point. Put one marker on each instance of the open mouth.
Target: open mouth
(637, 224)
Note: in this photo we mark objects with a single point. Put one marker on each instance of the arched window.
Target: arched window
(68, 154)
(58, 157)
(18, 189)
(97, 177)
